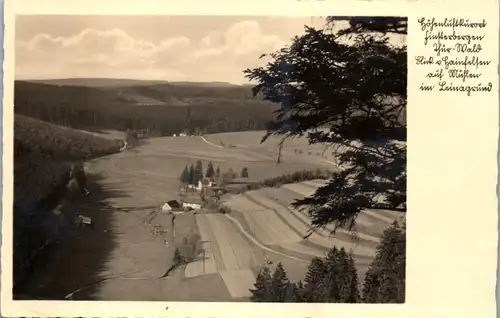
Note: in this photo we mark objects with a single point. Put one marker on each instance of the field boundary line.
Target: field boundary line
(297, 231)
(251, 238)
(210, 143)
(329, 228)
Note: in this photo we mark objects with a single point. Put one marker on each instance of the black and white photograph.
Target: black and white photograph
(210, 158)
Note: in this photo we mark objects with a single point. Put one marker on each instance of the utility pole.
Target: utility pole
(203, 260)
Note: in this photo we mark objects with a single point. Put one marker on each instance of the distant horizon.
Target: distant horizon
(127, 79)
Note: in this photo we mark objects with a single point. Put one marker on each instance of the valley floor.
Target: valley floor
(128, 252)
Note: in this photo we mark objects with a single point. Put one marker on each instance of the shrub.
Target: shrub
(178, 260)
(190, 247)
(224, 210)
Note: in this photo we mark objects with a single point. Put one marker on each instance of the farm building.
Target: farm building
(171, 206)
(192, 202)
(205, 183)
(83, 221)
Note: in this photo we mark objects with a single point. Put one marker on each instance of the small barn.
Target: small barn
(83, 221)
(171, 206)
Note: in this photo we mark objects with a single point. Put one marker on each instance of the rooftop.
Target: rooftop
(193, 199)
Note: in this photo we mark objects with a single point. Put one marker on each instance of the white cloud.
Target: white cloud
(219, 55)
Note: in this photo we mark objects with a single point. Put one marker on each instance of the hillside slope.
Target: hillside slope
(164, 109)
(60, 142)
(42, 155)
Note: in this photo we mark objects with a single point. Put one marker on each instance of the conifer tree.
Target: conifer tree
(299, 292)
(385, 278)
(185, 176)
(314, 289)
(354, 295)
(198, 172)
(347, 282)
(244, 172)
(217, 173)
(280, 284)
(210, 170)
(331, 279)
(262, 287)
(191, 175)
(320, 80)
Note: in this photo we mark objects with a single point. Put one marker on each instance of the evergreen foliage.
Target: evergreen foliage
(244, 172)
(217, 173)
(331, 86)
(177, 257)
(262, 287)
(385, 279)
(191, 175)
(314, 288)
(185, 176)
(280, 285)
(198, 172)
(210, 171)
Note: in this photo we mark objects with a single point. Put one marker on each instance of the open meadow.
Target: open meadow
(294, 150)
(123, 257)
(260, 227)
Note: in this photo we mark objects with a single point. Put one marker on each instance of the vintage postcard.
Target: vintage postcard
(222, 159)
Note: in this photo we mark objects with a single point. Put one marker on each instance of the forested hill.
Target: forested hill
(42, 156)
(163, 108)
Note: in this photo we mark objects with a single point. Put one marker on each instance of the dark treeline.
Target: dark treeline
(166, 91)
(86, 107)
(334, 278)
(43, 156)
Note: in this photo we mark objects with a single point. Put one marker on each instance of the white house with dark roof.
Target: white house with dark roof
(192, 202)
(171, 206)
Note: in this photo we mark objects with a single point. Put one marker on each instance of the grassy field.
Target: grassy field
(141, 180)
(268, 216)
(294, 150)
(236, 245)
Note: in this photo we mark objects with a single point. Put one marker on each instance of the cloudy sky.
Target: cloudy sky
(173, 48)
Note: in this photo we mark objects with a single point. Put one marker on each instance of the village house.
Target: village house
(205, 183)
(192, 202)
(172, 206)
(83, 221)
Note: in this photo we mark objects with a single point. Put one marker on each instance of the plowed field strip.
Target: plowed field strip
(246, 255)
(223, 239)
(300, 189)
(257, 243)
(324, 240)
(382, 215)
(249, 210)
(239, 282)
(379, 216)
(300, 222)
(259, 196)
(242, 204)
(204, 226)
(286, 197)
(292, 222)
